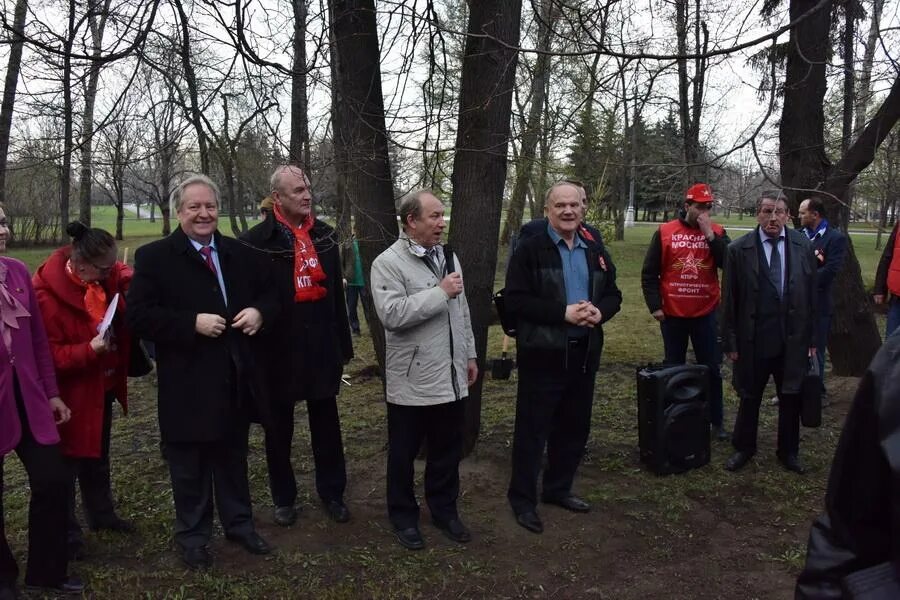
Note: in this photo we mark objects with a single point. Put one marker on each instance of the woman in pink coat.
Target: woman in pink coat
(30, 410)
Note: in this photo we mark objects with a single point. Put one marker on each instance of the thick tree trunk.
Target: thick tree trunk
(9, 88)
(533, 131)
(360, 136)
(479, 166)
(801, 131)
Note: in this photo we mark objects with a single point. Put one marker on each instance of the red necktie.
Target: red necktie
(206, 251)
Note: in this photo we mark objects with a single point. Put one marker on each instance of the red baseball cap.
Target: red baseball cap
(699, 192)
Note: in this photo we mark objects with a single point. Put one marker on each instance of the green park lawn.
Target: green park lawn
(704, 534)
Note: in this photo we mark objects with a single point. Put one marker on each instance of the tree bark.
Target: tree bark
(97, 24)
(190, 80)
(13, 67)
(65, 171)
(360, 136)
(801, 131)
(479, 167)
(865, 79)
(299, 145)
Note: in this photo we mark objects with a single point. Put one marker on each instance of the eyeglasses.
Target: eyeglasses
(770, 211)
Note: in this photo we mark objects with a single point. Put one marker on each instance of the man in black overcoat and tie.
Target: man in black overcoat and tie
(769, 302)
(203, 299)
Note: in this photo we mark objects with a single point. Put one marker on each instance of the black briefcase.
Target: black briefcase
(811, 396)
(507, 320)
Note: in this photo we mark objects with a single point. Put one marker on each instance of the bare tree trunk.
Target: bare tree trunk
(13, 67)
(360, 136)
(849, 43)
(689, 112)
(479, 166)
(65, 172)
(533, 130)
(97, 24)
(191, 81)
(865, 79)
(299, 148)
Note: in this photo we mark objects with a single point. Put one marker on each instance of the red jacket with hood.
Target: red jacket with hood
(80, 372)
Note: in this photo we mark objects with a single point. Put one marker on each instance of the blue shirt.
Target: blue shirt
(215, 258)
(575, 273)
(818, 231)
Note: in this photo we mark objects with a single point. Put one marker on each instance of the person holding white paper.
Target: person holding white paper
(81, 290)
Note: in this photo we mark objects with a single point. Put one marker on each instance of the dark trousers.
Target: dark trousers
(553, 409)
(747, 423)
(354, 293)
(441, 428)
(702, 333)
(47, 477)
(94, 480)
(201, 471)
(327, 448)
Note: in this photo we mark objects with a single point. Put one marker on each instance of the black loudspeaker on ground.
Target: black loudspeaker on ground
(673, 417)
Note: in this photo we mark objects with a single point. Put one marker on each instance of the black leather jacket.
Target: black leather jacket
(861, 525)
(536, 295)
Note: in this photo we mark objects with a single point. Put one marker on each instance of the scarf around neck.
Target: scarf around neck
(308, 270)
(94, 295)
(10, 309)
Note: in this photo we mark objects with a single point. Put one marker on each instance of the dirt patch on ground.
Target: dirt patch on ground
(704, 534)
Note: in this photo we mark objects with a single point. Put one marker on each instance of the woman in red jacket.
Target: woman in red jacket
(75, 287)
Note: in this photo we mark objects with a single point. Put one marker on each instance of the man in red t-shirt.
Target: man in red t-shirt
(680, 280)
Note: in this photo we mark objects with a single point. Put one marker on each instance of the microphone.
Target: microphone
(448, 258)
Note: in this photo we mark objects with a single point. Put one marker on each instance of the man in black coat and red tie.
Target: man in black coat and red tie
(768, 325)
(203, 300)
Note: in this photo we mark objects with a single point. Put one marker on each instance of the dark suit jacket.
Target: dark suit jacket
(739, 301)
(200, 378)
(832, 247)
(311, 341)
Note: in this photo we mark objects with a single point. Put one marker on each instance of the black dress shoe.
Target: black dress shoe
(70, 586)
(251, 542)
(410, 538)
(570, 502)
(113, 523)
(738, 461)
(530, 521)
(285, 516)
(792, 463)
(196, 558)
(338, 511)
(454, 529)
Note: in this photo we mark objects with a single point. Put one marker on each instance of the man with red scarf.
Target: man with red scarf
(311, 345)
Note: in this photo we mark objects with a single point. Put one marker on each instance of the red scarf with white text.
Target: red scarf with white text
(308, 270)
